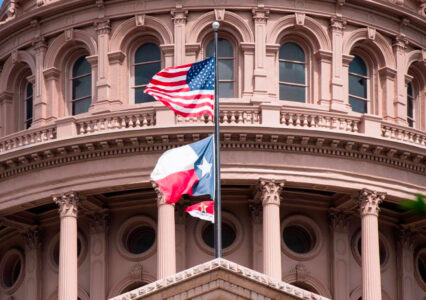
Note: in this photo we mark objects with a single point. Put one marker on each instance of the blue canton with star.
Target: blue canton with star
(201, 75)
(204, 167)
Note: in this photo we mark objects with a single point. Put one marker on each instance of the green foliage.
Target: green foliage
(417, 206)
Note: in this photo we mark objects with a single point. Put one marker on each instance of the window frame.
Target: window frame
(367, 81)
(307, 70)
(234, 44)
(69, 80)
(25, 100)
(131, 62)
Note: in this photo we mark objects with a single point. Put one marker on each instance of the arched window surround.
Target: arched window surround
(23, 79)
(68, 84)
(309, 67)
(134, 46)
(372, 80)
(417, 80)
(237, 56)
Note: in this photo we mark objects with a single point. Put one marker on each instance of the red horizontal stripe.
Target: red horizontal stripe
(192, 97)
(174, 83)
(189, 105)
(155, 88)
(164, 73)
(186, 114)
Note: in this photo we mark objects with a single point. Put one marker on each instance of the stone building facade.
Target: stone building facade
(323, 120)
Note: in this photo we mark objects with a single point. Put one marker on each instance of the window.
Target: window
(292, 70)
(81, 86)
(147, 64)
(410, 105)
(28, 105)
(225, 60)
(228, 235)
(139, 240)
(358, 85)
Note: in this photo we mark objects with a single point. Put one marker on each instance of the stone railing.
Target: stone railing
(322, 120)
(120, 120)
(240, 115)
(27, 137)
(402, 133)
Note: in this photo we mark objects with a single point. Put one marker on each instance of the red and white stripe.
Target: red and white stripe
(169, 86)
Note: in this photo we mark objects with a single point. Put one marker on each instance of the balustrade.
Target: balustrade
(27, 137)
(405, 134)
(246, 115)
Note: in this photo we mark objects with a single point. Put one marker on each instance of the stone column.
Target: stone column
(400, 100)
(270, 196)
(166, 244)
(371, 279)
(180, 217)
(40, 101)
(255, 209)
(98, 255)
(260, 17)
(179, 20)
(405, 266)
(68, 284)
(339, 101)
(340, 254)
(55, 106)
(32, 264)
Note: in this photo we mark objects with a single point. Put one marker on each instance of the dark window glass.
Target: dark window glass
(140, 239)
(292, 51)
(225, 61)
(305, 286)
(228, 235)
(292, 73)
(12, 270)
(410, 105)
(298, 239)
(147, 64)
(422, 267)
(81, 86)
(358, 85)
(28, 105)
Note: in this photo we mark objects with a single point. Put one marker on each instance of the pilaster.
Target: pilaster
(179, 21)
(269, 193)
(51, 77)
(339, 101)
(260, 18)
(369, 202)
(40, 101)
(256, 219)
(180, 217)
(98, 223)
(166, 246)
(400, 100)
(6, 110)
(405, 266)
(33, 264)
(339, 222)
(68, 283)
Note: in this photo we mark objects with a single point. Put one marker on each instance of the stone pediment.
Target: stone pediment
(219, 279)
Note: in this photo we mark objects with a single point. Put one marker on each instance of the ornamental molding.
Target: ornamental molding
(218, 264)
(55, 155)
(32, 238)
(68, 204)
(269, 191)
(369, 202)
(98, 222)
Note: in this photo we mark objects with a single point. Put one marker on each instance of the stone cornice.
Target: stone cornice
(115, 144)
(218, 264)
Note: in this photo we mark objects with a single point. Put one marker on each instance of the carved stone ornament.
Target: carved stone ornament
(300, 272)
(255, 209)
(260, 15)
(136, 272)
(32, 238)
(337, 23)
(369, 202)
(406, 238)
(140, 20)
(68, 204)
(98, 222)
(219, 14)
(270, 190)
(339, 220)
(179, 16)
(160, 197)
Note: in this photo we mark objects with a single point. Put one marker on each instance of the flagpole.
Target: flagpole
(217, 202)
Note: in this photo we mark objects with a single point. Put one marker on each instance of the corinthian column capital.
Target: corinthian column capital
(160, 197)
(369, 202)
(270, 190)
(68, 204)
(32, 238)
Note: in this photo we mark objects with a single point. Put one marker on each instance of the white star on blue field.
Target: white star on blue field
(201, 75)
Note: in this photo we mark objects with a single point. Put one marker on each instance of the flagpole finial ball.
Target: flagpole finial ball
(215, 25)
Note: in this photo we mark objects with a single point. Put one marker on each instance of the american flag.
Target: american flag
(188, 89)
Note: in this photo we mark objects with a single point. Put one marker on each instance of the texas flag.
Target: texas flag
(203, 210)
(186, 170)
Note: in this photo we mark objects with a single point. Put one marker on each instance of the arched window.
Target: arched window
(225, 60)
(81, 86)
(358, 85)
(410, 105)
(28, 105)
(292, 68)
(147, 64)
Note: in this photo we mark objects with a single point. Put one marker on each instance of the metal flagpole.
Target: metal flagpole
(217, 202)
